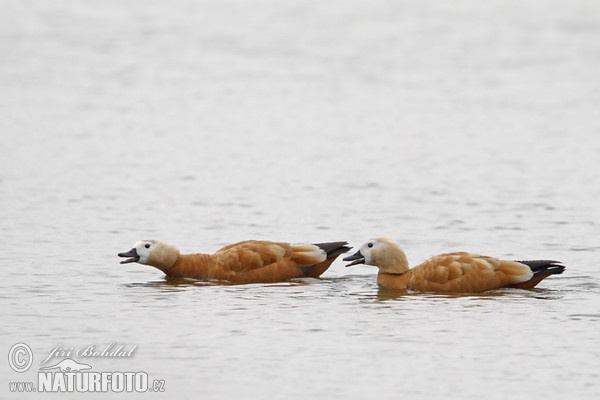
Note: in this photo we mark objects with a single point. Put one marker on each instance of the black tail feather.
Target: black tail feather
(545, 267)
(334, 249)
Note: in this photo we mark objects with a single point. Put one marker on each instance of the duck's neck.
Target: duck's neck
(191, 265)
(163, 257)
(394, 262)
(392, 281)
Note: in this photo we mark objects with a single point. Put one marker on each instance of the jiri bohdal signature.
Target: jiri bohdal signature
(111, 350)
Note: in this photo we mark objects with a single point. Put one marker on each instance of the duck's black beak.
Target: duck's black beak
(134, 257)
(356, 258)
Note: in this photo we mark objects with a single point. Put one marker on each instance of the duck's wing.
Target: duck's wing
(466, 272)
(255, 254)
(252, 254)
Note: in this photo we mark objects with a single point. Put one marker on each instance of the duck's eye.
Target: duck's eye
(147, 245)
(369, 245)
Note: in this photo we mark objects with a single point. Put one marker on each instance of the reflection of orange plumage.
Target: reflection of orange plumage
(244, 262)
(450, 272)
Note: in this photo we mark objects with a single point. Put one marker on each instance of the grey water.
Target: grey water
(446, 126)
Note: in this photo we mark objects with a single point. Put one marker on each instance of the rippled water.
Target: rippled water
(464, 126)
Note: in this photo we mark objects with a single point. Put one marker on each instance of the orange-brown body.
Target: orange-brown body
(457, 272)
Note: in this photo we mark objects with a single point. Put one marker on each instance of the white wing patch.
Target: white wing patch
(308, 254)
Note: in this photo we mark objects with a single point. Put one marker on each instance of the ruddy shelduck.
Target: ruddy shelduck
(458, 272)
(252, 261)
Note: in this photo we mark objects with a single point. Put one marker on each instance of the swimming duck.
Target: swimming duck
(250, 261)
(458, 272)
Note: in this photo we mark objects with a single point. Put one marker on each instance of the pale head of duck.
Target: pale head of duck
(152, 252)
(383, 253)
